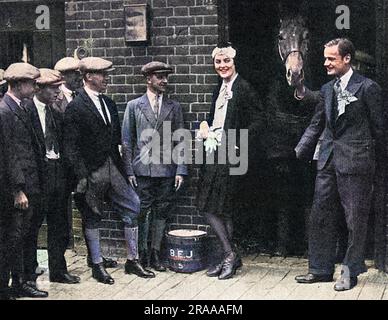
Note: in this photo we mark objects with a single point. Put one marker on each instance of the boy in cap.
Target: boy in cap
(48, 125)
(155, 183)
(92, 139)
(69, 68)
(21, 151)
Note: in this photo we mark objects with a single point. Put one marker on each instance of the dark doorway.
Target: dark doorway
(21, 40)
(252, 28)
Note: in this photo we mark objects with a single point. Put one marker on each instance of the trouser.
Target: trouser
(53, 207)
(14, 242)
(157, 201)
(108, 181)
(354, 194)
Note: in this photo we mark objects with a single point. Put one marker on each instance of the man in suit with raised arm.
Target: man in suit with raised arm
(353, 146)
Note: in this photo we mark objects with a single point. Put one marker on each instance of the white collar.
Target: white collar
(17, 100)
(345, 78)
(92, 93)
(65, 90)
(151, 96)
(39, 104)
(229, 84)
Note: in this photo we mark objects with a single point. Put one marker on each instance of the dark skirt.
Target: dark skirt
(217, 190)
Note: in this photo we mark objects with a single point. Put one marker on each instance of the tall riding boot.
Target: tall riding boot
(159, 225)
(133, 265)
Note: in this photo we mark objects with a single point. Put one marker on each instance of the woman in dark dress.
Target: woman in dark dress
(235, 106)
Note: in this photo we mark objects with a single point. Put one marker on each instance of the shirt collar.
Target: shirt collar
(39, 104)
(345, 78)
(18, 101)
(230, 83)
(151, 96)
(91, 93)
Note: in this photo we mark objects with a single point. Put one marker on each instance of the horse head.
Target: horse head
(293, 43)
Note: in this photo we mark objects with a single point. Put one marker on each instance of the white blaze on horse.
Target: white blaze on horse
(293, 41)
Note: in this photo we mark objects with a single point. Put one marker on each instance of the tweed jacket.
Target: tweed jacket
(137, 146)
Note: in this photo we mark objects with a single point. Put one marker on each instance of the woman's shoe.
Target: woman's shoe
(229, 266)
(214, 271)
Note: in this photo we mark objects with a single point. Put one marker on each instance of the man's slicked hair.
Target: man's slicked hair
(345, 47)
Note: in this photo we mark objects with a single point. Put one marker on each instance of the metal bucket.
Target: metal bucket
(186, 250)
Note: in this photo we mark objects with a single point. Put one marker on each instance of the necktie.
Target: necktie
(156, 106)
(337, 87)
(103, 108)
(337, 90)
(50, 137)
(221, 97)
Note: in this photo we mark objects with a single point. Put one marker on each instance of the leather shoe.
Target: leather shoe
(99, 273)
(108, 262)
(313, 278)
(345, 283)
(229, 266)
(214, 271)
(26, 290)
(156, 264)
(64, 278)
(133, 266)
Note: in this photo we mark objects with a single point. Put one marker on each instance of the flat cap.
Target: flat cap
(21, 71)
(156, 67)
(49, 77)
(90, 64)
(2, 81)
(67, 64)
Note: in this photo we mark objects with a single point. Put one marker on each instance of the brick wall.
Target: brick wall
(183, 34)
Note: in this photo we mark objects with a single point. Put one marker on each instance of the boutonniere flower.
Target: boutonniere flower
(344, 98)
(211, 136)
(228, 95)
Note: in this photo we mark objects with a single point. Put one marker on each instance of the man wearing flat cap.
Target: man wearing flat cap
(156, 182)
(69, 68)
(92, 139)
(47, 123)
(23, 194)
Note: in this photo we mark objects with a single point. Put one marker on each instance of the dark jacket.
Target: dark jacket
(357, 137)
(17, 123)
(88, 142)
(60, 182)
(217, 189)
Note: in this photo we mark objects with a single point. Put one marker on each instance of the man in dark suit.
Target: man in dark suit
(69, 68)
(351, 118)
(22, 154)
(48, 125)
(92, 138)
(156, 182)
